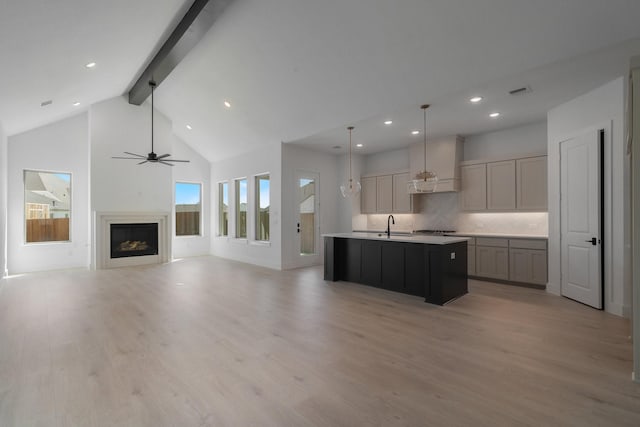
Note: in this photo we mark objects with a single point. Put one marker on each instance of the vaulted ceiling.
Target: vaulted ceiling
(301, 70)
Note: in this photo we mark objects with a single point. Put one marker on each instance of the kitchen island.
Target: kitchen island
(432, 267)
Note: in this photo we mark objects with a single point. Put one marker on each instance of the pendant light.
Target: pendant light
(425, 181)
(351, 188)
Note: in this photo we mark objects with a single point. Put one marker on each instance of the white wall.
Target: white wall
(198, 170)
(267, 160)
(386, 162)
(602, 107)
(518, 141)
(3, 202)
(58, 147)
(122, 185)
(298, 158)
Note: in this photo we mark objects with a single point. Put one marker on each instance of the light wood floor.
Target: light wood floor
(209, 342)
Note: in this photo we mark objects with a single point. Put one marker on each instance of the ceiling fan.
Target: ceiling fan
(151, 157)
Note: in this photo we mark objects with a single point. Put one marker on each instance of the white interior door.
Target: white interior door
(580, 218)
(308, 219)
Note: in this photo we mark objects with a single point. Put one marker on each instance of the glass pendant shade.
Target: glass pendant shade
(425, 181)
(351, 187)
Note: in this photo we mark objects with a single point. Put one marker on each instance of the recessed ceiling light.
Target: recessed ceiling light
(359, 145)
(90, 65)
(388, 122)
(415, 132)
(494, 115)
(475, 99)
(75, 104)
(227, 104)
(189, 127)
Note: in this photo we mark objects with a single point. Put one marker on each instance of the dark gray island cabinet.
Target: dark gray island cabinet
(433, 267)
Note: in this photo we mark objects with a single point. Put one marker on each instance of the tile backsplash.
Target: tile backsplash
(441, 211)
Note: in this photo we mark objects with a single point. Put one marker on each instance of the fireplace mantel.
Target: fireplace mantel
(102, 227)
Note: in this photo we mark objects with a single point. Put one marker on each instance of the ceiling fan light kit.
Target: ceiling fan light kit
(351, 188)
(151, 157)
(425, 181)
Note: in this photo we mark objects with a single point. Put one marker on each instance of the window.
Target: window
(241, 208)
(223, 209)
(188, 208)
(47, 197)
(262, 207)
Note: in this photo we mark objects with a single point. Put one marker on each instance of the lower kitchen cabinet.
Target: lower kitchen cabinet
(528, 261)
(492, 262)
(514, 260)
(471, 257)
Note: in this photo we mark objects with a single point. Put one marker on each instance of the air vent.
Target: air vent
(520, 90)
(45, 103)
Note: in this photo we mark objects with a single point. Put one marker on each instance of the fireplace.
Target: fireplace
(139, 239)
(125, 239)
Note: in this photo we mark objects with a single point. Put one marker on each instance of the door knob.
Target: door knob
(593, 241)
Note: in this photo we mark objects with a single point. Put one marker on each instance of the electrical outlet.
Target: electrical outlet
(453, 255)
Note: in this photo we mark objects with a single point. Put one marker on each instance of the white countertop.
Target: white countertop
(430, 240)
(502, 235)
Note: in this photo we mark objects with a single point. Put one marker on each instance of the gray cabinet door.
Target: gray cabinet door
(501, 185)
(401, 196)
(528, 266)
(384, 194)
(474, 187)
(531, 183)
(492, 262)
(368, 195)
(471, 260)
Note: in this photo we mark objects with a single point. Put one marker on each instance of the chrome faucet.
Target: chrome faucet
(389, 225)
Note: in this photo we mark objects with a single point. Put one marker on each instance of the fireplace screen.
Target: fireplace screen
(134, 240)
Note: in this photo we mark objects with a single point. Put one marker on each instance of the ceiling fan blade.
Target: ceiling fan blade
(164, 163)
(163, 156)
(172, 160)
(134, 154)
(128, 158)
(146, 161)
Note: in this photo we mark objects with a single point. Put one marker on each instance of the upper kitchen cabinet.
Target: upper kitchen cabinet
(443, 157)
(368, 195)
(531, 183)
(384, 191)
(474, 187)
(505, 186)
(501, 185)
(401, 199)
(385, 194)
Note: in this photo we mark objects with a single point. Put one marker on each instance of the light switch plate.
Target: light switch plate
(453, 255)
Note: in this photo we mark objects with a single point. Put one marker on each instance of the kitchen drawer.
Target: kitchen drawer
(490, 241)
(528, 244)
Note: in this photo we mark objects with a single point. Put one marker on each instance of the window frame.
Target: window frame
(237, 210)
(201, 211)
(256, 208)
(220, 204)
(24, 207)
